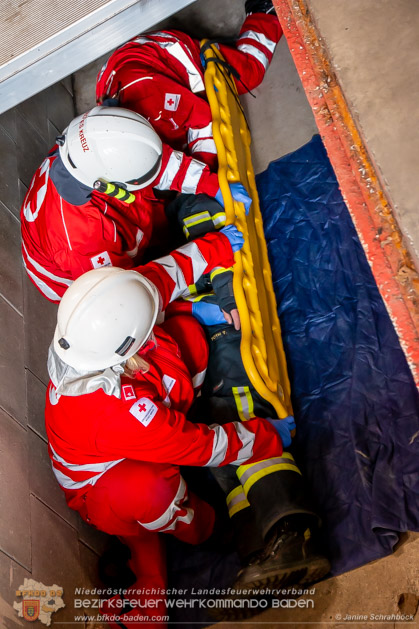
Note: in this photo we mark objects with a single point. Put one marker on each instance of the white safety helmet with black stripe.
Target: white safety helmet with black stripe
(104, 318)
(111, 144)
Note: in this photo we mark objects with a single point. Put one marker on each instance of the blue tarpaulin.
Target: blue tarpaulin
(354, 398)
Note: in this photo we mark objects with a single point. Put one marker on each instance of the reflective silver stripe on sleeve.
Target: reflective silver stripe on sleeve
(138, 238)
(143, 40)
(198, 134)
(194, 76)
(192, 177)
(219, 447)
(254, 52)
(248, 439)
(173, 47)
(171, 510)
(260, 38)
(204, 146)
(199, 264)
(198, 379)
(43, 287)
(68, 483)
(38, 267)
(173, 269)
(84, 467)
(170, 172)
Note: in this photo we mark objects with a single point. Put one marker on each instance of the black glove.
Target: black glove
(222, 283)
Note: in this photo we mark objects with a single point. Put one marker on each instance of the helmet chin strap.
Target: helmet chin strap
(113, 190)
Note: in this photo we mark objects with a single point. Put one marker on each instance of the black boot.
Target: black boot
(259, 6)
(290, 557)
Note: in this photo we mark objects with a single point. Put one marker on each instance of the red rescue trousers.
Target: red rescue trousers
(137, 500)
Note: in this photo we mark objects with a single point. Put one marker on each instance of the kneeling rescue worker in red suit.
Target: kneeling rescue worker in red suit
(116, 406)
(92, 202)
(160, 75)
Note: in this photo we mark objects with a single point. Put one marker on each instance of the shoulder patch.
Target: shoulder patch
(143, 410)
(101, 259)
(171, 101)
(128, 392)
(168, 384)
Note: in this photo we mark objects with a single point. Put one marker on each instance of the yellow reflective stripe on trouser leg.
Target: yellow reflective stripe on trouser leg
(244, 402)
(236, 501)
(249, 474)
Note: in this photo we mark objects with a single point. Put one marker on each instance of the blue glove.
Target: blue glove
(283, 427)
(235, 236)
(239, 193)
(207, 314)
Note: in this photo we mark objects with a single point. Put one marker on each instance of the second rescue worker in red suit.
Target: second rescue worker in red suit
(160, 76)
(117, 430)
(69, 227)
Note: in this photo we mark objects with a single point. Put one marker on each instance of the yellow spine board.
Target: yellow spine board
(261, 346)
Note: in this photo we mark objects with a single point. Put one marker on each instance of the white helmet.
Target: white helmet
(104, 318)
(113, 144)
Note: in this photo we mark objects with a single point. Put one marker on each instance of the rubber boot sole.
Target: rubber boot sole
(302, 573)
(299, 573)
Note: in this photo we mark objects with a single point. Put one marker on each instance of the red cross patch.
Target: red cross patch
(171, 101)
(143, 410)
(101, 259)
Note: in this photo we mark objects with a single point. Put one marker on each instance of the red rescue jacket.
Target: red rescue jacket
(68, 229)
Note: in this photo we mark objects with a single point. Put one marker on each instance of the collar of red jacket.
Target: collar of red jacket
(74, 382)
(69, 188)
